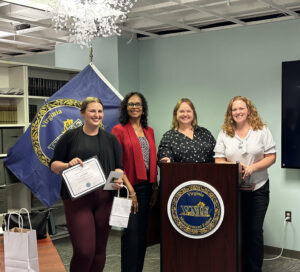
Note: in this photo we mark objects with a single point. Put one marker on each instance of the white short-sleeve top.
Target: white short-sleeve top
(247, 150)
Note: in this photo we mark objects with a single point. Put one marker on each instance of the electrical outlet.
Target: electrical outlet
(288, 216)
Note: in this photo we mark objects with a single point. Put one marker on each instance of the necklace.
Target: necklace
(242, 143)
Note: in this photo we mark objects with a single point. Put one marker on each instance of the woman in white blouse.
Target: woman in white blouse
(244, 138)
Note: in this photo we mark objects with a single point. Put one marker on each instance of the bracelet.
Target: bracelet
(134, 194)
(155, 187)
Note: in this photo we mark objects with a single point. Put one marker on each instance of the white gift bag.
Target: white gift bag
(120, 211)
(20, 248)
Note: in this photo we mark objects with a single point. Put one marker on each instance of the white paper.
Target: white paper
(84, 179)
(110, 180)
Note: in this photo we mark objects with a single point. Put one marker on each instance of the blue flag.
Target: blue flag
(28, 159)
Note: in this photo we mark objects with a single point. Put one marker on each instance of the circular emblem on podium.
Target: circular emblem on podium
(195, 209)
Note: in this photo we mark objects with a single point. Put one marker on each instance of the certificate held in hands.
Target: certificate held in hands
(82, 180)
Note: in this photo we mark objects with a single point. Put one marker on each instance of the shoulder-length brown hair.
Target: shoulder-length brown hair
(175, 124)
(253, 118)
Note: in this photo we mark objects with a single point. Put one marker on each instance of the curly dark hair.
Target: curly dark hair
(124, 117)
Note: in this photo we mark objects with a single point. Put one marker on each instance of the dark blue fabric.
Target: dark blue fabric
(22, 159)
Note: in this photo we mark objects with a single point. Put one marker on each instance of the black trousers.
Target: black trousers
(254, 208)
(134, 237)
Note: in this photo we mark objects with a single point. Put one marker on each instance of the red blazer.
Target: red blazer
(133, 160)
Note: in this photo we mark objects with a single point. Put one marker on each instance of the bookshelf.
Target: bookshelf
(23, 90)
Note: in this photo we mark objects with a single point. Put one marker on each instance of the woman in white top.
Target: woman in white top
(244, 138)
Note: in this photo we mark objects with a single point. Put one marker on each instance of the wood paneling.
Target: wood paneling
(216, 253)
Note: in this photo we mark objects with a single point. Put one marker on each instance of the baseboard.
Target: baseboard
(286, 252)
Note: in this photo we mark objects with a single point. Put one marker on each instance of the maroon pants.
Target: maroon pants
(87, 221)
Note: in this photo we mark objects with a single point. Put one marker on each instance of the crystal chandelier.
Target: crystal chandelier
(87, 19)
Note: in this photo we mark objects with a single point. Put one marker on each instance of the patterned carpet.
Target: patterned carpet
(152, 261)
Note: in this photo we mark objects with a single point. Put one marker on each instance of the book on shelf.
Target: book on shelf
(11, 91)
(8, 114)
(32, 112)
(44, 87)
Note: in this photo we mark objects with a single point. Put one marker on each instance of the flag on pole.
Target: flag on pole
(28, 159)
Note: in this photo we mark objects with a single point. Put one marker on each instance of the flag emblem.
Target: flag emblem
(52, 115)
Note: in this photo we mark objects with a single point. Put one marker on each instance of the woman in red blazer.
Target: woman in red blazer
(139, 161)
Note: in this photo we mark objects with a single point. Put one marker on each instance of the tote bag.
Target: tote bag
(120, 211)
(39, 220)
(20, 248)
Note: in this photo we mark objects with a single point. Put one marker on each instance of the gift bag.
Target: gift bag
(120, 211)
(38, 219)
(20, 248)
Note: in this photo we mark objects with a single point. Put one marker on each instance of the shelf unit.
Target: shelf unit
(15, 77)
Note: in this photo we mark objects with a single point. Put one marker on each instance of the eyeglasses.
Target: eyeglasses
(138, 105)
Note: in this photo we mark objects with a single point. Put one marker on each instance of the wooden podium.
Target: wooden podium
(220, 252)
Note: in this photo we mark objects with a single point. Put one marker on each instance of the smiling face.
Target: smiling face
(239, 112)
(93, 114)
(185, 114)
(135, 107)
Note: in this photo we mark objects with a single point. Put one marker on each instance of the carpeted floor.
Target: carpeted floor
(152, 261)
(113, 258)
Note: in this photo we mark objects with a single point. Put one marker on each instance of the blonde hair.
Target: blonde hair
(253, 117)
(175, 124)
(89, 100)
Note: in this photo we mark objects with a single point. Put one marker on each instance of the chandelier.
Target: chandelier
(87, 19)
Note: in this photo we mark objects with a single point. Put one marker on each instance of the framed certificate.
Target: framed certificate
(82, 180)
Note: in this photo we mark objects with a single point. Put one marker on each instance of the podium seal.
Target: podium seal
(195, 209)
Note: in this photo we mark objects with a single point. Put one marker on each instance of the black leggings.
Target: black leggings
(87, 221)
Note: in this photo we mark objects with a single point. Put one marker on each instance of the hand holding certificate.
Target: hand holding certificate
(81, 180)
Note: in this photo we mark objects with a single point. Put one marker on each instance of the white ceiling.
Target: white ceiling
(26, 28)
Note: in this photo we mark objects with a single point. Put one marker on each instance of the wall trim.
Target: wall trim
(286, 252)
